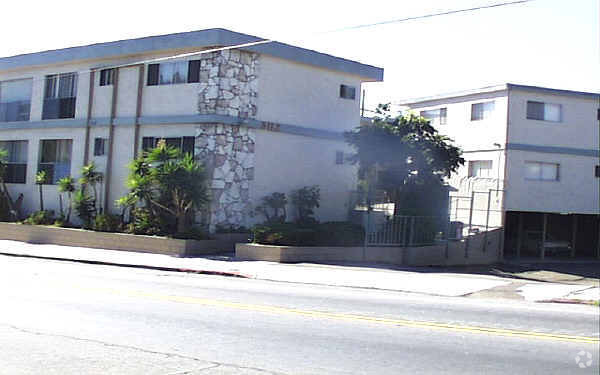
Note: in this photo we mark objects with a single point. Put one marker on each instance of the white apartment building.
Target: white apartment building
(263, 118)
(536, 150)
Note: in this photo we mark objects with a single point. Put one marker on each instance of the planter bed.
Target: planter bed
(479, 249)
(119, 241)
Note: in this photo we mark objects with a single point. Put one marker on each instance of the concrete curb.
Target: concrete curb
(142, 266)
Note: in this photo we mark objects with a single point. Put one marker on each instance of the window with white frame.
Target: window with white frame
(482, 111)
(541, 171)
(544, 111)
(16, 161)
(435, 116)
(55, 158)
(15, 100)
(480, 168)
(59, 96)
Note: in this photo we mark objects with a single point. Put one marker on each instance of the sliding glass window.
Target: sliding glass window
(15, 100)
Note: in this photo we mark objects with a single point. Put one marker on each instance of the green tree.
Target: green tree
(169, 182)
(402, 155)
(41, 178)
(67, 185)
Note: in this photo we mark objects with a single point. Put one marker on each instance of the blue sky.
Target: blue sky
(553, 43)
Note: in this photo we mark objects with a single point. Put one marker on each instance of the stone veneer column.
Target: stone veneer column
(228, 154)
(229, 84)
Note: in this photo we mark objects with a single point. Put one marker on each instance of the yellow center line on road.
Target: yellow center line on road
(348, 317)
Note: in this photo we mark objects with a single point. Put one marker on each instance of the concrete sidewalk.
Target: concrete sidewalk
(363, 276)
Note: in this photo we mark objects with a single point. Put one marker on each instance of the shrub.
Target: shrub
(145, 222)
(340, 233)
(285, 234)
(107, 223)
(305, 200)
(273, 208)
(325, 234)
(40, 218)
(194, 233)
(231, 229)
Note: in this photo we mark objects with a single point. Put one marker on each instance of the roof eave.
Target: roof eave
(200, 39)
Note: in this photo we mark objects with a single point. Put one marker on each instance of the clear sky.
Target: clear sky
(552, 43)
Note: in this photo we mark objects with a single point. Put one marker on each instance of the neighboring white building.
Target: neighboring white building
(539, 147)
(264, 118)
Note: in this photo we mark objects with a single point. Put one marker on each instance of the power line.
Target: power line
(430, 15)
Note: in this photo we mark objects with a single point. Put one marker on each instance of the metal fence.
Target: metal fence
(407, 231)
(467, 215)
(480, 211)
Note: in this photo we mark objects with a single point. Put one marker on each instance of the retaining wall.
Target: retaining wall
(119, 241)
(481, 248)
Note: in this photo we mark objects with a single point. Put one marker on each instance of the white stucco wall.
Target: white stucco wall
(298, 94)
(578, 128)
(576, 191)
(102, 99)
(285, 162)
(471, 135)
(29, 189)
(128, 88)
(122, 156)
(178, 99)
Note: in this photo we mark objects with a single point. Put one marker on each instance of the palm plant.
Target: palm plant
(41, 178)
(84, 206)
(126, 203)
(67, 185)
(182, 181)
(90, 176)
(170, 183)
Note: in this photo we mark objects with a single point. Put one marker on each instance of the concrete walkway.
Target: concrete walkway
(364, 276)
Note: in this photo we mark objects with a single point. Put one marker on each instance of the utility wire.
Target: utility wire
(265, 41)
(430, 15)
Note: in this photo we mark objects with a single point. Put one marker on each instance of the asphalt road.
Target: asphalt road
(70, 318)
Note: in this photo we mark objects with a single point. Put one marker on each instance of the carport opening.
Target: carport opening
(566, 235)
